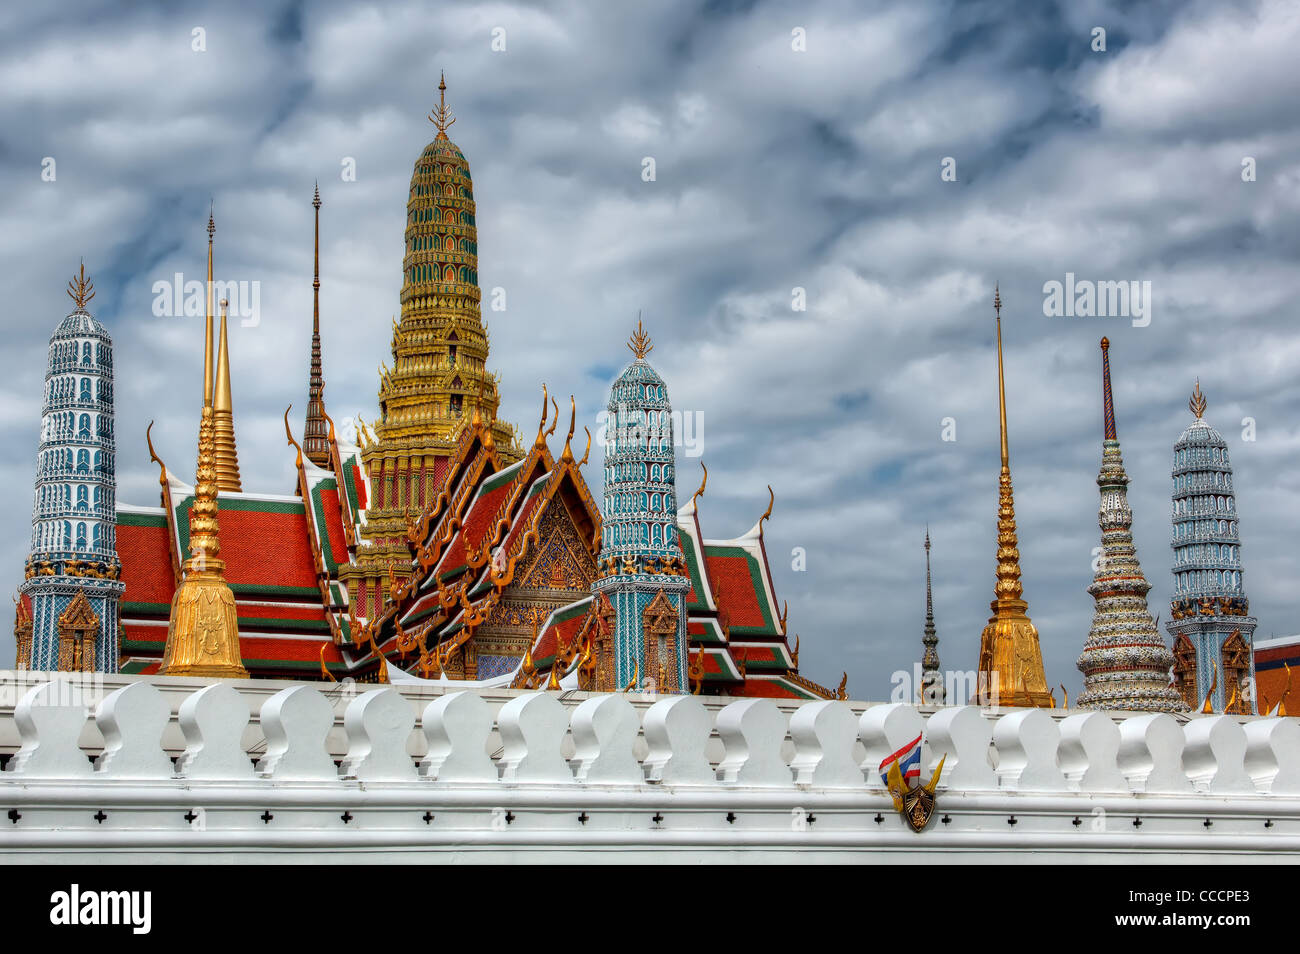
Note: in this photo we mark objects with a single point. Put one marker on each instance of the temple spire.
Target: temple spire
(223, 417)
(1002, 388)
(1011, 660)
(202, 630)
(81, 289)
(1124, 662)
(316, 432)
(1107, 403)
(441, 116)
(207, 321)
(1198, 404)
(932, 691)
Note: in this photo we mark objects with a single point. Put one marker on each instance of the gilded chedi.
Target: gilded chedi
(1011, 660)
(202, 629)
(1124, 662)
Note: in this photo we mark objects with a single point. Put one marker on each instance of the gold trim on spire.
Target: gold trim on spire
(223, 417)
(81, 290)
(441, 115)
(1197, 404)
(640, 344)
(1011, 659)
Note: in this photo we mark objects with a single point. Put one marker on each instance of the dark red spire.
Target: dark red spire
(1107, 403)
(315, 442)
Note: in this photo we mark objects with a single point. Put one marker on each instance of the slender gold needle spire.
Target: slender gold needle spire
(1011, 660)
(1002, 387)
(207, 322)
(223, 418)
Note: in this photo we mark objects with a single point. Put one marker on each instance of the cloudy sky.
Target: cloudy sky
(795, 146)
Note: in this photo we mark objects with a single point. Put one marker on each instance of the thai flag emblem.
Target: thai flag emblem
(908, 759)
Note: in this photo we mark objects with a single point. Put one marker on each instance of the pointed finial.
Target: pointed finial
(639, 344)
(1002, 390)
(703, 483)
(1198, 403)
(441, 115)
(80, 290)
(212, 225)
(1108, 405)
(316, 197)
(567, 454)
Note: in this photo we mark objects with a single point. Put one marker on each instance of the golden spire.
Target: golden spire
(640, 344)
(1197, 404)
(441, 115)
(1011, 660)
(1002, 388)
(80, 290)
(203, 631)
(223, 418)
(207, 322)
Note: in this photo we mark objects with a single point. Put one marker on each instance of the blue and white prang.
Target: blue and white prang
(1209, 603)
(74, 521)
(639, 528)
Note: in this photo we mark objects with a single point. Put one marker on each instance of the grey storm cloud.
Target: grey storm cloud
(776, 169)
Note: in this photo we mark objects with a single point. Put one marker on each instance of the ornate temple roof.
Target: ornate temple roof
(79, 324)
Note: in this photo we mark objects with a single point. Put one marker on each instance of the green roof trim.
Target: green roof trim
(128, 519)
(322, 525)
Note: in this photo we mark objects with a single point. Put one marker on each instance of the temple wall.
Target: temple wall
(178, 771)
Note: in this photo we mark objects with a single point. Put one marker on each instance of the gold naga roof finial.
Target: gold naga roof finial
(640, 344)
(153, 456)
(80, 289)
(703, 483)
(1198, 403)
(767, 514)
(441, 115)
(567, 454)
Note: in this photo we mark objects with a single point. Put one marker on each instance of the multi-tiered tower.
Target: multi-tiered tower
(1210, 620)
(647, 589)
(1124, 662)
(72, 573)
(439, 371)
(315, 432)
(932, 689)
(1011, 660)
